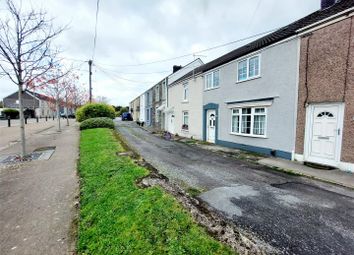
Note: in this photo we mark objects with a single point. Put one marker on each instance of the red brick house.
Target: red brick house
(325, 115)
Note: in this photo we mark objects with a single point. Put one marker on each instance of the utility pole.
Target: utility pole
(90, 79)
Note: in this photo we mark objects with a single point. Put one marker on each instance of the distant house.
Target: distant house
(186, 104)
(155, 101)
(134, 107)
(158, 113)
(34, 104)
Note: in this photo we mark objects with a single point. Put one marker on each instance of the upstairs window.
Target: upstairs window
(148, 98)
(212, 80)
(248, 68)
(185, 91)
(157, 93)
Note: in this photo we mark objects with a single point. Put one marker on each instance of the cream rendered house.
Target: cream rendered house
(186, 107)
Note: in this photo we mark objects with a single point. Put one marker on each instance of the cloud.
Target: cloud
(135, 31)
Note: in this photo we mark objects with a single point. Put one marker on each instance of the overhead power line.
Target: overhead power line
(116, 77)
(253, 14)
(137, 73)
(95, 36)
(196, 52)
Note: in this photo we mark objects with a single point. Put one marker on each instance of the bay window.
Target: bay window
(249, 121)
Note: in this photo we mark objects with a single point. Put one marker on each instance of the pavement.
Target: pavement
(336, 176)
(11, 135)
(294, 214)
(16, 122)
(38, 198)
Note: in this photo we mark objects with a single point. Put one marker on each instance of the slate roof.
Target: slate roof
(40, 96)
(278, 35)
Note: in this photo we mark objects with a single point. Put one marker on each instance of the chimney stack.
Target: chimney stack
(327, 3)
(176, 68)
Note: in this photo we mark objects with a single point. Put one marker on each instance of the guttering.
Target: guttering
(326, 24)
(324, 20)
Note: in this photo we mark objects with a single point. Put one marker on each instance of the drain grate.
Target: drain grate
(43, 153)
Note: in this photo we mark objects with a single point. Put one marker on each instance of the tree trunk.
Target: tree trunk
(22, 122)
(58, 113)
(66, 104)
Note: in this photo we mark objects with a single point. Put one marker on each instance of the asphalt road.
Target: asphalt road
(293, 214)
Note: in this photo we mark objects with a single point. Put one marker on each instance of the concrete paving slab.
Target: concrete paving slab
(38, 198)
(334, 176)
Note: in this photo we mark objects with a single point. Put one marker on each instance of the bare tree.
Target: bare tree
(56, 85)
(25, 50)
(70, 91)
(101, 99)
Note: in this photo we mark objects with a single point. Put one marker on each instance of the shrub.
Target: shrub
(100, 122)
(95, 110)
(12, 113)
(123, 109)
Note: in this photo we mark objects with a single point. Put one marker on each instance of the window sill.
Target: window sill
(185, 102)
(212, 88)
(184, 130)
(249, 79)
(252, 136)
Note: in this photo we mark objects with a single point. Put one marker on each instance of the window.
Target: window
(248, 68)
(147, 115)
(325, 114)
(185, 91)
(242, 70)
(248, 121)
(157, 94)
(185, 121)
(147, 98)
(212, 80)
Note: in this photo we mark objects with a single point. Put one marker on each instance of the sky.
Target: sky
(133, 33)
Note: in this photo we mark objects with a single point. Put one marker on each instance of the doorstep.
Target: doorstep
(335, 176)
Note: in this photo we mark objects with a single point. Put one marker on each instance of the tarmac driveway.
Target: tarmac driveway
(291, 213)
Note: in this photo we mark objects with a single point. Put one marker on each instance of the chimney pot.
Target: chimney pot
(176, 68)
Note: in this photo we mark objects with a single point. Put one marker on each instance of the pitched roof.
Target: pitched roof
(40, 96)
(278, 35)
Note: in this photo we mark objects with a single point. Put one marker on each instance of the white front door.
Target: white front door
(211, 126)
(324, 133)
(171, 123)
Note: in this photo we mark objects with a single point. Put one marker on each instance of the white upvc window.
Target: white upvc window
(157, 93)
(148, 98)
(249, 121)
(248, 68)
(147, 115)
(212, 80)
(185, 120)
(185, 91)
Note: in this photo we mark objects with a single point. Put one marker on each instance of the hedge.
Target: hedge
(100, 122)
(12, 113)
(95, 110)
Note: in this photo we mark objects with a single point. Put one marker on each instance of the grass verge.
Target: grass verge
(117, 217)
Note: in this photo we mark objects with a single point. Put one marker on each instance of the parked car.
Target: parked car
(127, 116)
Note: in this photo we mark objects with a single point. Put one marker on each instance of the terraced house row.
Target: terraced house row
(289, 94)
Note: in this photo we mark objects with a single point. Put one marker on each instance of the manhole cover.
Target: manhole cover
(43, 153)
